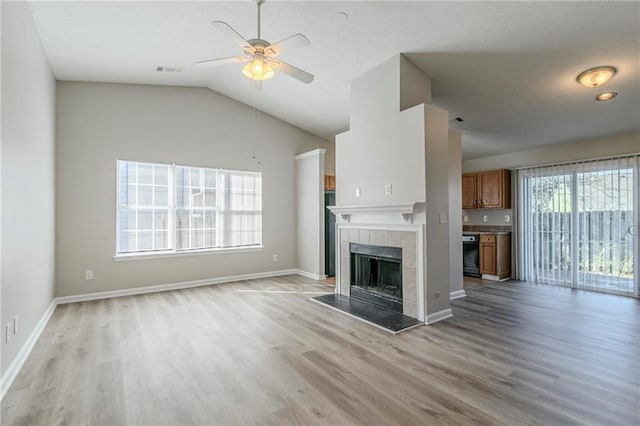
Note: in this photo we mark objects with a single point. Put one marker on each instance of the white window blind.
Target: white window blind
(179, 208)
(580, 221)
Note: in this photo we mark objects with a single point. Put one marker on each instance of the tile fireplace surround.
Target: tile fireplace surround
(398, 236)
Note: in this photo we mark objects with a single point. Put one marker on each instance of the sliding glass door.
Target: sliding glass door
(580, 225)
(548, 227)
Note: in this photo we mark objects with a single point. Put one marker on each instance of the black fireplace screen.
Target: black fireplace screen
(376, 275)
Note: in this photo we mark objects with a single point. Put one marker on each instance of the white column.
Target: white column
(310, 213)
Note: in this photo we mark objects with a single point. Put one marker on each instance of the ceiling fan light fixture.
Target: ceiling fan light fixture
(596, 77)
(258, 69)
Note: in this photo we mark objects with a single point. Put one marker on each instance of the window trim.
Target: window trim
(173, 252)
(144, 255)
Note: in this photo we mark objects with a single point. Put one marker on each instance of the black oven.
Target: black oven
(471, 255)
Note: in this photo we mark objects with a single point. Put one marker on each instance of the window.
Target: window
(171, 208)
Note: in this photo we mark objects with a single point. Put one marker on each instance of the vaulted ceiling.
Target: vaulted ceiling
(507, 68)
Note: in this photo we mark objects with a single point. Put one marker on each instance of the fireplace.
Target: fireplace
(376, 275)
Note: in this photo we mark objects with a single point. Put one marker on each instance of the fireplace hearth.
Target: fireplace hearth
(376, 275)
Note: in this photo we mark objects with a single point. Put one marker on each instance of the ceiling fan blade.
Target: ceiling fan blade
(234, 35)
(223, 61)
(293, 42)
(292, 71)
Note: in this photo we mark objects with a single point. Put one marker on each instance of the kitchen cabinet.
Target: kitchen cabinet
(469, 190)
(495, 256)
(329, 183)
(486, 190)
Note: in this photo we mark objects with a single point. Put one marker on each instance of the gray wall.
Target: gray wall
(437, 235)
(27, 232)
(579, 150)
(383, 146)
(99, 123)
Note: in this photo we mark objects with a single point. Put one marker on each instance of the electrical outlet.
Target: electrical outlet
(7, 333)
(387, 189)
(88, 275)
(275, 257)
(15, 325)
(507, 218)
(358, 191)
(465, 218)
(485, 218)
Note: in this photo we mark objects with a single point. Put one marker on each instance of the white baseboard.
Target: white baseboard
(457, 294)
(15, 366)
(438, 316)
(171, 286)
(311, 275)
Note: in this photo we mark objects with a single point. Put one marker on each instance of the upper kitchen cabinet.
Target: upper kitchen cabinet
(486, 190)
(469, 191)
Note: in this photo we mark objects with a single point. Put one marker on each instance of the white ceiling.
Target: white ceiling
(507, 68)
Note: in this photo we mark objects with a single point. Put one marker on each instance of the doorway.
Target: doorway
(329, 234)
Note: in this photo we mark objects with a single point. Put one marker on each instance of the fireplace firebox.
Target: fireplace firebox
(376, 275)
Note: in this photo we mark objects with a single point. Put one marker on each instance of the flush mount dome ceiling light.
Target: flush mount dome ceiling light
(606, 96)
(596, 77)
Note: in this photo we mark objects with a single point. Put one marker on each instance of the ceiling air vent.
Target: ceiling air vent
(169, 69)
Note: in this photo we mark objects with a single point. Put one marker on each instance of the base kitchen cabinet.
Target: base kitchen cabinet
(495, 256)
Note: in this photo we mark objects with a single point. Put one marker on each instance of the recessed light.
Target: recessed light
(606, 96)
(596, 77)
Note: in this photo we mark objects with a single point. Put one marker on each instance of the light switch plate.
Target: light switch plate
(485, 218)
(465, 218)
(358, 191)
(443, 219)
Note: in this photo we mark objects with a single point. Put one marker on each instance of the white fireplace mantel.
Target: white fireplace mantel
(406, 209)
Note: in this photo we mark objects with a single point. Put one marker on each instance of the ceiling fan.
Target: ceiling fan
(261, 54)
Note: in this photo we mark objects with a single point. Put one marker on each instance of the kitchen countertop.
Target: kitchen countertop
(486, 232)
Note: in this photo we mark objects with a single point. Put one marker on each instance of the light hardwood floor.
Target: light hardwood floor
(260, 352)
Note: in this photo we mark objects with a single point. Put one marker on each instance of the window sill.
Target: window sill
(169, 254)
